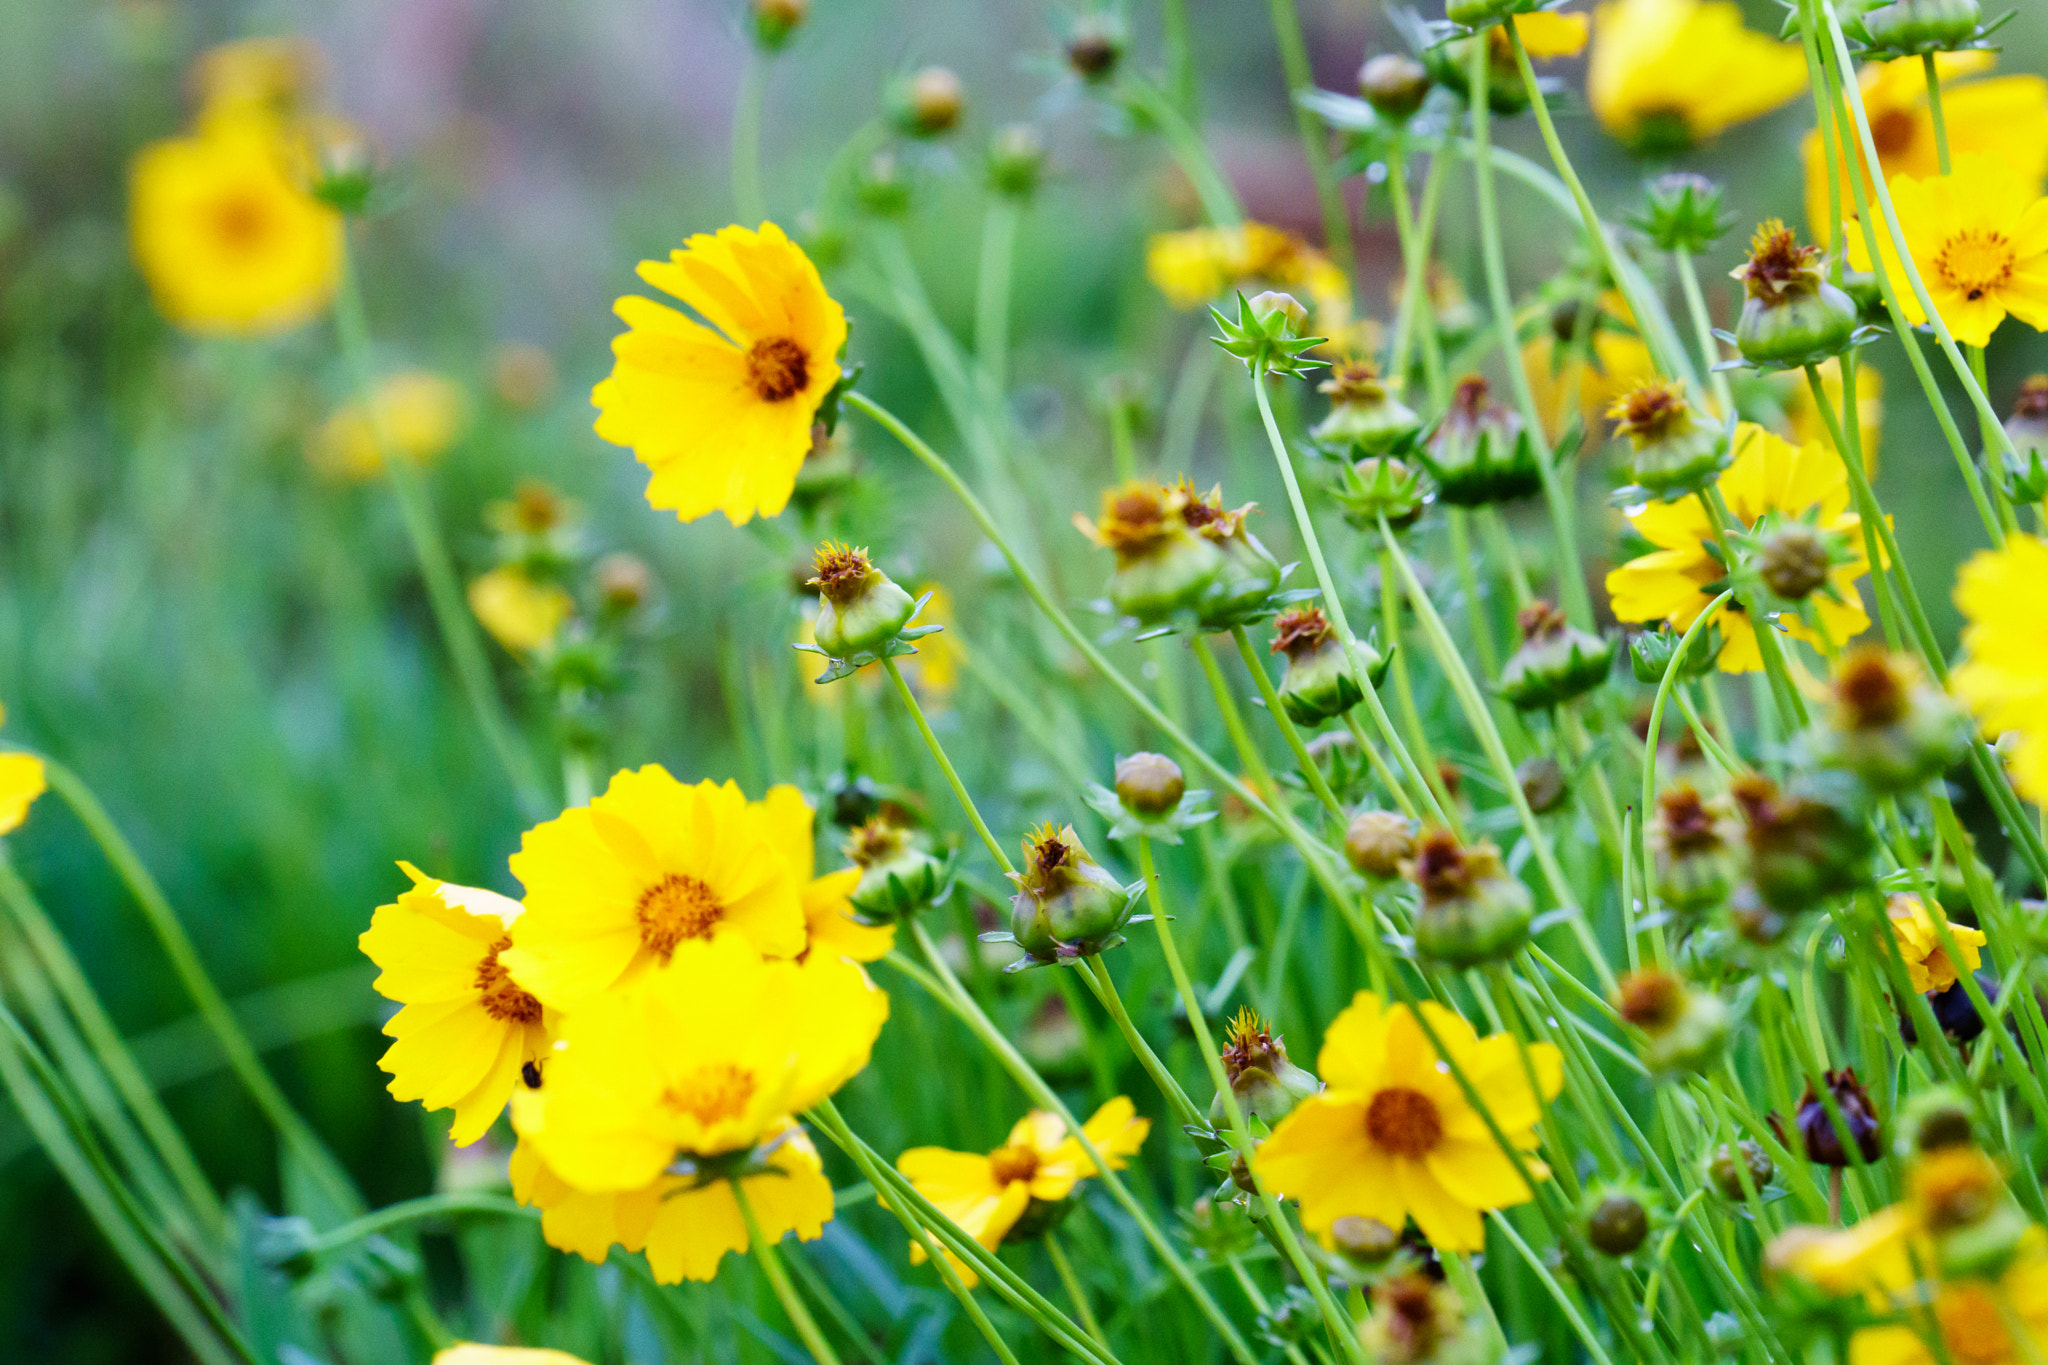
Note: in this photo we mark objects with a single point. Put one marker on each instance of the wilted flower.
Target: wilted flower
(1472, 910)
(1792, 315)
(1557, 660)
(1266, 1084)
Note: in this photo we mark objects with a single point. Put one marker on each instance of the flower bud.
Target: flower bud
(1480, 453)
(1394, 84)
(1377, 842)
(1791, 316)
(1905, 27)
(1542, 782)
(1266, 1084)
(928, 103)
(1381, 486)
(1802, 849)
(1450, 65)
(1016, 158)
(1683, 1029)
(1652, 652)
(860, 609)
(1473, 13)
(1149, 784)
(1616, 1220)
(775, 21)
(1676, 451)
(1888, 724)
(1319, 683)
(344, 164)
(1363, 415)
(1694, 865)
(1472, 910)
(624, 583)
(1095, 45)
(1933, 1119)
(1557, 660)
(1682, 213)
(2024, 473)
(1272, 305)
(1745, 1163)
(1793, 560)
(1816, 1129)
(1247, 575)
(1364, 1241)
(883, 186)
(1416, 1321)
(1162, 566)
(1067, 905)
(897, 877)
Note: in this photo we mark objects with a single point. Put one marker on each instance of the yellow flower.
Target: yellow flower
(2006, 116)
(1620, 362)
(1670, 583)
(1927, 962)
(986, 1195)
(707, 1055)
(467, 1029)
(829, 925)
(1548, 35)
(1393, 1137)
(268, 78)
(473, 1353)
(1669, 74)
(521, 614)
(684, 1228)
(417, 414)
(1980, 239)
(723, 417)
(228, 244)
(1969, 1317)
(21, 782)
(616, 886)
(2003, 595)
(1196, 266)
(1810, 428)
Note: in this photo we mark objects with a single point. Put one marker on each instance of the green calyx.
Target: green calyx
(1481, 453)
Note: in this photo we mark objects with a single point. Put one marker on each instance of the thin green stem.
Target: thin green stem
(1212, 187)
(1703, 326)
(407, 1212)
(1104, 989)
(1076, 1292)
(778, 1279)
(1934, 114)
(1580, 1327)
(1310, 770)
(938, 752)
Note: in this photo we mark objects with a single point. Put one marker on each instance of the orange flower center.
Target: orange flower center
(497, 993)
(1893, 131)
(1014, 1162)
(711, 1093)
(1973, 263)
(240, 222)
(778, 369)
(676, 908)
(1403, 1122)
(1972, 1327)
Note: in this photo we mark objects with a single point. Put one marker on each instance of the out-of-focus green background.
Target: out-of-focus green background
(236, 652)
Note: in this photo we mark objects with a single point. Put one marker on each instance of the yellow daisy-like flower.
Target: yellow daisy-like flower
(2006, 116)
(522, 614)
(228, 244)
(684, 1228)
(1197, 266)
(1927, 962)
(1809, 427)
(1392, 1137)
(1768, 474)
(416, 414)
(467, 1029)
(987, 1194)
(2003, 595)
(722, 414)
(475, 1353)
(616, 886)
(1670, 74)
(1547, 35)
(1980, 239)
(828, 914)
(707, 1055)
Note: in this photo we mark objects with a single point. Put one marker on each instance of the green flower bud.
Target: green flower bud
(1682, 212)
(1904, 27)
(1149, 784)
(883, 186)
(1247, 575)
(775, 21)
(1557, 660)
(1363, 415)
(1365, 1242)
(1377, 842)
(1450, 65)
(1803, 848)
(2024, 472)
(1266, 1084)
(1380, 486)
(1394, 84)
(1792, 316)
(1272, 307)
(1067, 905)
(1016, 157)
(1162, 566)
(1320, 683)
(1542, 782)
(1729, 1167)
(1651, 652)
(1675, 450)
(897, 877)
(1888, 724)
(1695, 867)
(1480, 453)
(1617, 1218)
(1095, 45)
(1472, 910)
(860, 609)
(1933, 1119)
(928, 103)
(1682, 1029)
(1473, 13)
(1793, 559)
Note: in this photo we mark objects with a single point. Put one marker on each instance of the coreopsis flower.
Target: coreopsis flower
(684, 1225)
(1196, 266)
(1242, 590)
(415, 415)
(2006, 116)
(1667, 75)
(521, 612)
(1768, 474)
(1267, 1085)
(1913, 923)
(21, 781)
(474, 1353)
(2003, 595)
(1393, 1137)
(1979, 237)
(828, 913)
(1163, 565)
(1969, 1316)
(618, 886)
(467, 1030)
(228, 244)
(1030, 1174)
(722, 413)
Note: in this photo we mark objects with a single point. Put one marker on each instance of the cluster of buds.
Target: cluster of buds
(1887, 723)
(1681, 1029)
(2024, 471)
(1674, 450)
(1163, 566)
(1321, 683)
(1481, 452)
(1556, 662)
(1791, 315)
(1473, 911)
(1913, 28)
(1067, 905)
(899, 876)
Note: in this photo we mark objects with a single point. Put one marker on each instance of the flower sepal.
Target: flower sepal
(1887, 31)
(896, 647)
(744, 1164)
(1481, 452)
(898, 876)
(1191, 808)
(1652, 653)
(1264, 335)
(1381, 486)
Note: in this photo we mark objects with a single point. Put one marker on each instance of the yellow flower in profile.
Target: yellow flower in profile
(1392, 1136)
(1040, 1163)
(227, 243)
(2006, 116)
(722, 414)
(416, 414)
(475, 1353)
(1809, 427)
(1979, 237)
(1670, 74)
(1769, 474)
(466, 1030)
(521, 613)
(707, 1055)
(1927, 962)
(2003, 595)
(1197, 266)
(685, 1228)
(828, 914)
(617, 886)
(1548, 35)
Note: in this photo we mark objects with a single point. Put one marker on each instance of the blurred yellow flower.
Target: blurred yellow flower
(828, 914)
(707, 1055)
(1670, 583)
(987, 1194)
(419, 414)
(1979, 237)
(267, 79)
(1971, 1315)
(1547, 34)
(1620, 361)
(466, 1028)
(227, 243)
(2003, 595)
(21, 782)
(619, 885)
(1670, 74)
(1197, 266)
(474, 1353)
(1393, 1136)
(723, 417)
(1810, 428)
(1927, 962)
(522, 614)
(2006, 116)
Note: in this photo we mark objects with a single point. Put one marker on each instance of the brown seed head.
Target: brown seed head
(1793, 561)
(1871, 688)
(1778, 266)
(1651, 1000)
(877, 841)
(1354, 381)
(1205, 512)
(1299, 631)
(1540, 621)
(840, 572)
(1687, 825)
(1446, 870)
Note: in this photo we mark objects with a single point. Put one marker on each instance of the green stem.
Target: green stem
(1934, 114)
(778, 1279)
(938, 751)
(1703, 325)
(1104, 989)
(410, 1211)
(748, 205)
(1784, 692)
(992, 291)
(1219, 201)
(1294, 65)
(1685, 643)
(1311, 771)
(1580, 1327)
(1076, 1293)
(1178, 39)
